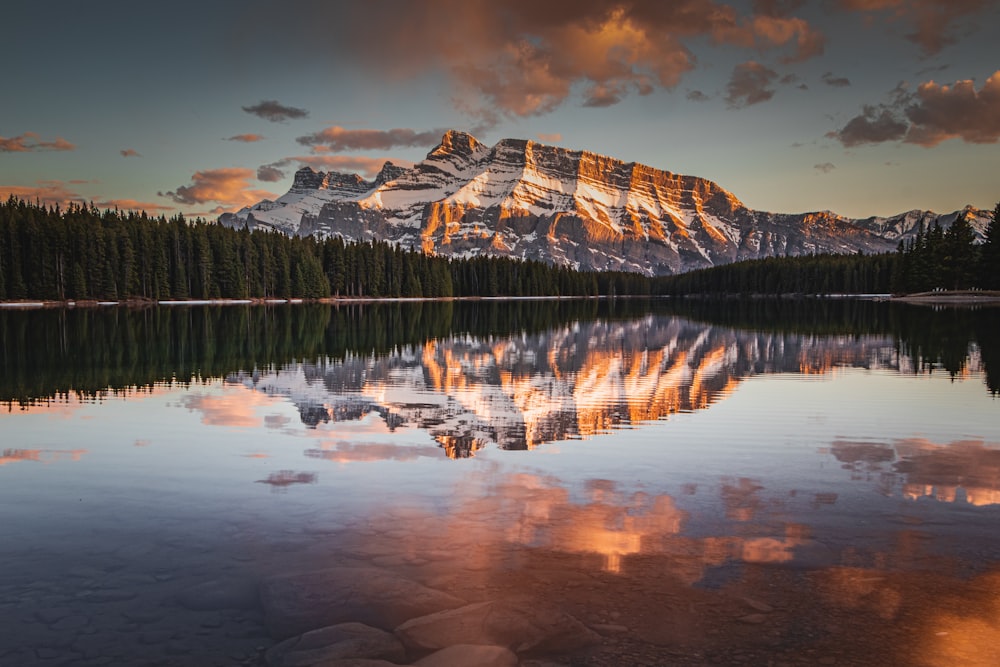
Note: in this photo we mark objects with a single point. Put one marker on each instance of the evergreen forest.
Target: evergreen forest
(86, 254)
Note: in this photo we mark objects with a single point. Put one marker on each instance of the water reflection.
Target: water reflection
(960, 471)
(569, 382)
(40, 455)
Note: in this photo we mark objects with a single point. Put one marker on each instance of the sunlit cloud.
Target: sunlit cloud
(30, 142)
(227, 187)
(750, 83)
(235, 407)
(550, 138)
(336, 139)
(274, 111)
(343, 451)
(246, 138)
(128, 152)
(9, 456)
(46, 192)
(511, 58)
(932, 21)
(932, 114)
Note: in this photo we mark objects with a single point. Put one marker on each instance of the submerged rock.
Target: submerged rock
(465, 655)
(296, 603)
(343, 641)
(526, 628)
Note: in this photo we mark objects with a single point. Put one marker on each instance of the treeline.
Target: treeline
(938, 259)
(85, 254)
(96, 352)
(805, 274)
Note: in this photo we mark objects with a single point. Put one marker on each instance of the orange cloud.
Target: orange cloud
(929, 116)
(247, 138)
(40, 455)
(524, 58)
(229, 187)
(939, 113)
(236, 407)
(552, 138)
(128, 152)
(49, 193)
(29, 142)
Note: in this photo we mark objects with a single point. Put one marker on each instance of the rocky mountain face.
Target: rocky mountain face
(523, 199)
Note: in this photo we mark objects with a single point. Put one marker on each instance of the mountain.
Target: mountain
(523, 199)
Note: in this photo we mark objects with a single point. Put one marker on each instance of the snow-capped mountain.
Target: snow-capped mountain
(575, 208)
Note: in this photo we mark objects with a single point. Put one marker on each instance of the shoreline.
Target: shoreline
(35, 304)
(952, 298)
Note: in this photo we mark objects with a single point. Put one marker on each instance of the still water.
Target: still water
(636, 483)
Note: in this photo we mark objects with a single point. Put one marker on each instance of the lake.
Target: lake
(812, 482)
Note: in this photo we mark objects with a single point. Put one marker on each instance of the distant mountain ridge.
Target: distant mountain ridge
(520, 198)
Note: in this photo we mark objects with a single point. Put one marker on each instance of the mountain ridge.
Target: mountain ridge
(521, 198)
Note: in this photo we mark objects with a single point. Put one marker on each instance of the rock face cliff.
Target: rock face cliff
(523, 199)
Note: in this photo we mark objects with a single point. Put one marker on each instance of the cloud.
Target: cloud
(228, 187)
(247, 138)
(874, 125)
(553, 138)
(128, 152)
(336, 139)
(30, 142)
(517, 58)
(929, 116)
(51, 193)
(697, 96)
(269, 174)
(367, 167)
(47, 192)
(275, 112)
(931, 21)
(939, 113)
(825, 167)
(750, 84)
(835, 81)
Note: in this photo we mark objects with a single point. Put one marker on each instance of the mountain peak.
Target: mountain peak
(457, 142)
(568, 207)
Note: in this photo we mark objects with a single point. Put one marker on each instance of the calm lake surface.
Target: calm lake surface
(702, 483)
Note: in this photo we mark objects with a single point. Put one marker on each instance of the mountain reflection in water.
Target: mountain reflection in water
(699, 483)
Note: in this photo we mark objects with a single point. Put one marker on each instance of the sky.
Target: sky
(861, 107)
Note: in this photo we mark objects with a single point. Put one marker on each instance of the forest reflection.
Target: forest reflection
(90, 353)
